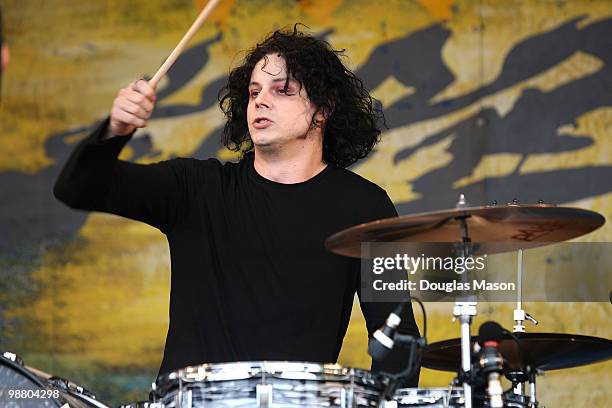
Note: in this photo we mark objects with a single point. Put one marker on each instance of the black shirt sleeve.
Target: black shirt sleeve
(94, 179)
(376, 313)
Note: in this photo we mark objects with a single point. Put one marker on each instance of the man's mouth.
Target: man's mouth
(261, 123)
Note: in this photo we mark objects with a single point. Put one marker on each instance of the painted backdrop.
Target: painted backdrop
(498, 99)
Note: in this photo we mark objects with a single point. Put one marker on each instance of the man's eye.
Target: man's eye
(285, 91)
(254, 94)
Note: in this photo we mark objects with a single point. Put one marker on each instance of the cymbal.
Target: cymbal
(493, 229)
(544, 351)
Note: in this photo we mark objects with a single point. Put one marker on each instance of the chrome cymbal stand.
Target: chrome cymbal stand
(519, 313)
(520, 316)
(465, 310)
(533, 402)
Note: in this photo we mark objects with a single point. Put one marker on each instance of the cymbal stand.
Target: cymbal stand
(533, 402)
(519, 313)
(517, 378)
(464, 310)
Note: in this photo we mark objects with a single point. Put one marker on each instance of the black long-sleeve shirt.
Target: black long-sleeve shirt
(250, 276)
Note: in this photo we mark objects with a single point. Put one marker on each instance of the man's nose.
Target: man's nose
(262, 99)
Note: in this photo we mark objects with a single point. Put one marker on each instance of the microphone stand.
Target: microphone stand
(416, 344)
(414, 361)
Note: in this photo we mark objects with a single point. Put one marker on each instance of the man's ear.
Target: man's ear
(321, 117)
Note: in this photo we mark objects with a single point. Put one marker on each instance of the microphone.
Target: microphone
(491, 361)
(382, 341)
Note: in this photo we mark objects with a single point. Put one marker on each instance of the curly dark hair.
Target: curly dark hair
(351, 117)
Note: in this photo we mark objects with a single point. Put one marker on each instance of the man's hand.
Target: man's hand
(132, 108)
(5, 57)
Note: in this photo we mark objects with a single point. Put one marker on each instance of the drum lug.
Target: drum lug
(264, 395)
(388, 404)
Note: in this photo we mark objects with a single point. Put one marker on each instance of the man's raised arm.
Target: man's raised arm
(94, 179)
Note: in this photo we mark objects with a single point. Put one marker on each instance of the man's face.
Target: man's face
(277, 117)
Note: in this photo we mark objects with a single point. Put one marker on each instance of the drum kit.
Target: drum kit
(479, 361)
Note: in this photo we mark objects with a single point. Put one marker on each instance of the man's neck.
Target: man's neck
(289, 165)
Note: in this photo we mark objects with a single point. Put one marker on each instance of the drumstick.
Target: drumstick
(210, 6)
(39, 373)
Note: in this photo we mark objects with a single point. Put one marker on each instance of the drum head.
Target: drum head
(21, 388)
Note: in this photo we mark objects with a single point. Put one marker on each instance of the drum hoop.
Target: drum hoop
(277, 370)
(430, 390)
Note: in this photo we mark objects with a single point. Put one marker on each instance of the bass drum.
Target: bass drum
(268, 384)
(23, 388)
(447, 398)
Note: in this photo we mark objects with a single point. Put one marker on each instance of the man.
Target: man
(251, 278)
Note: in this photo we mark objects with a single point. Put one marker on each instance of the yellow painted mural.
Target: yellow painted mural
(85, 296)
